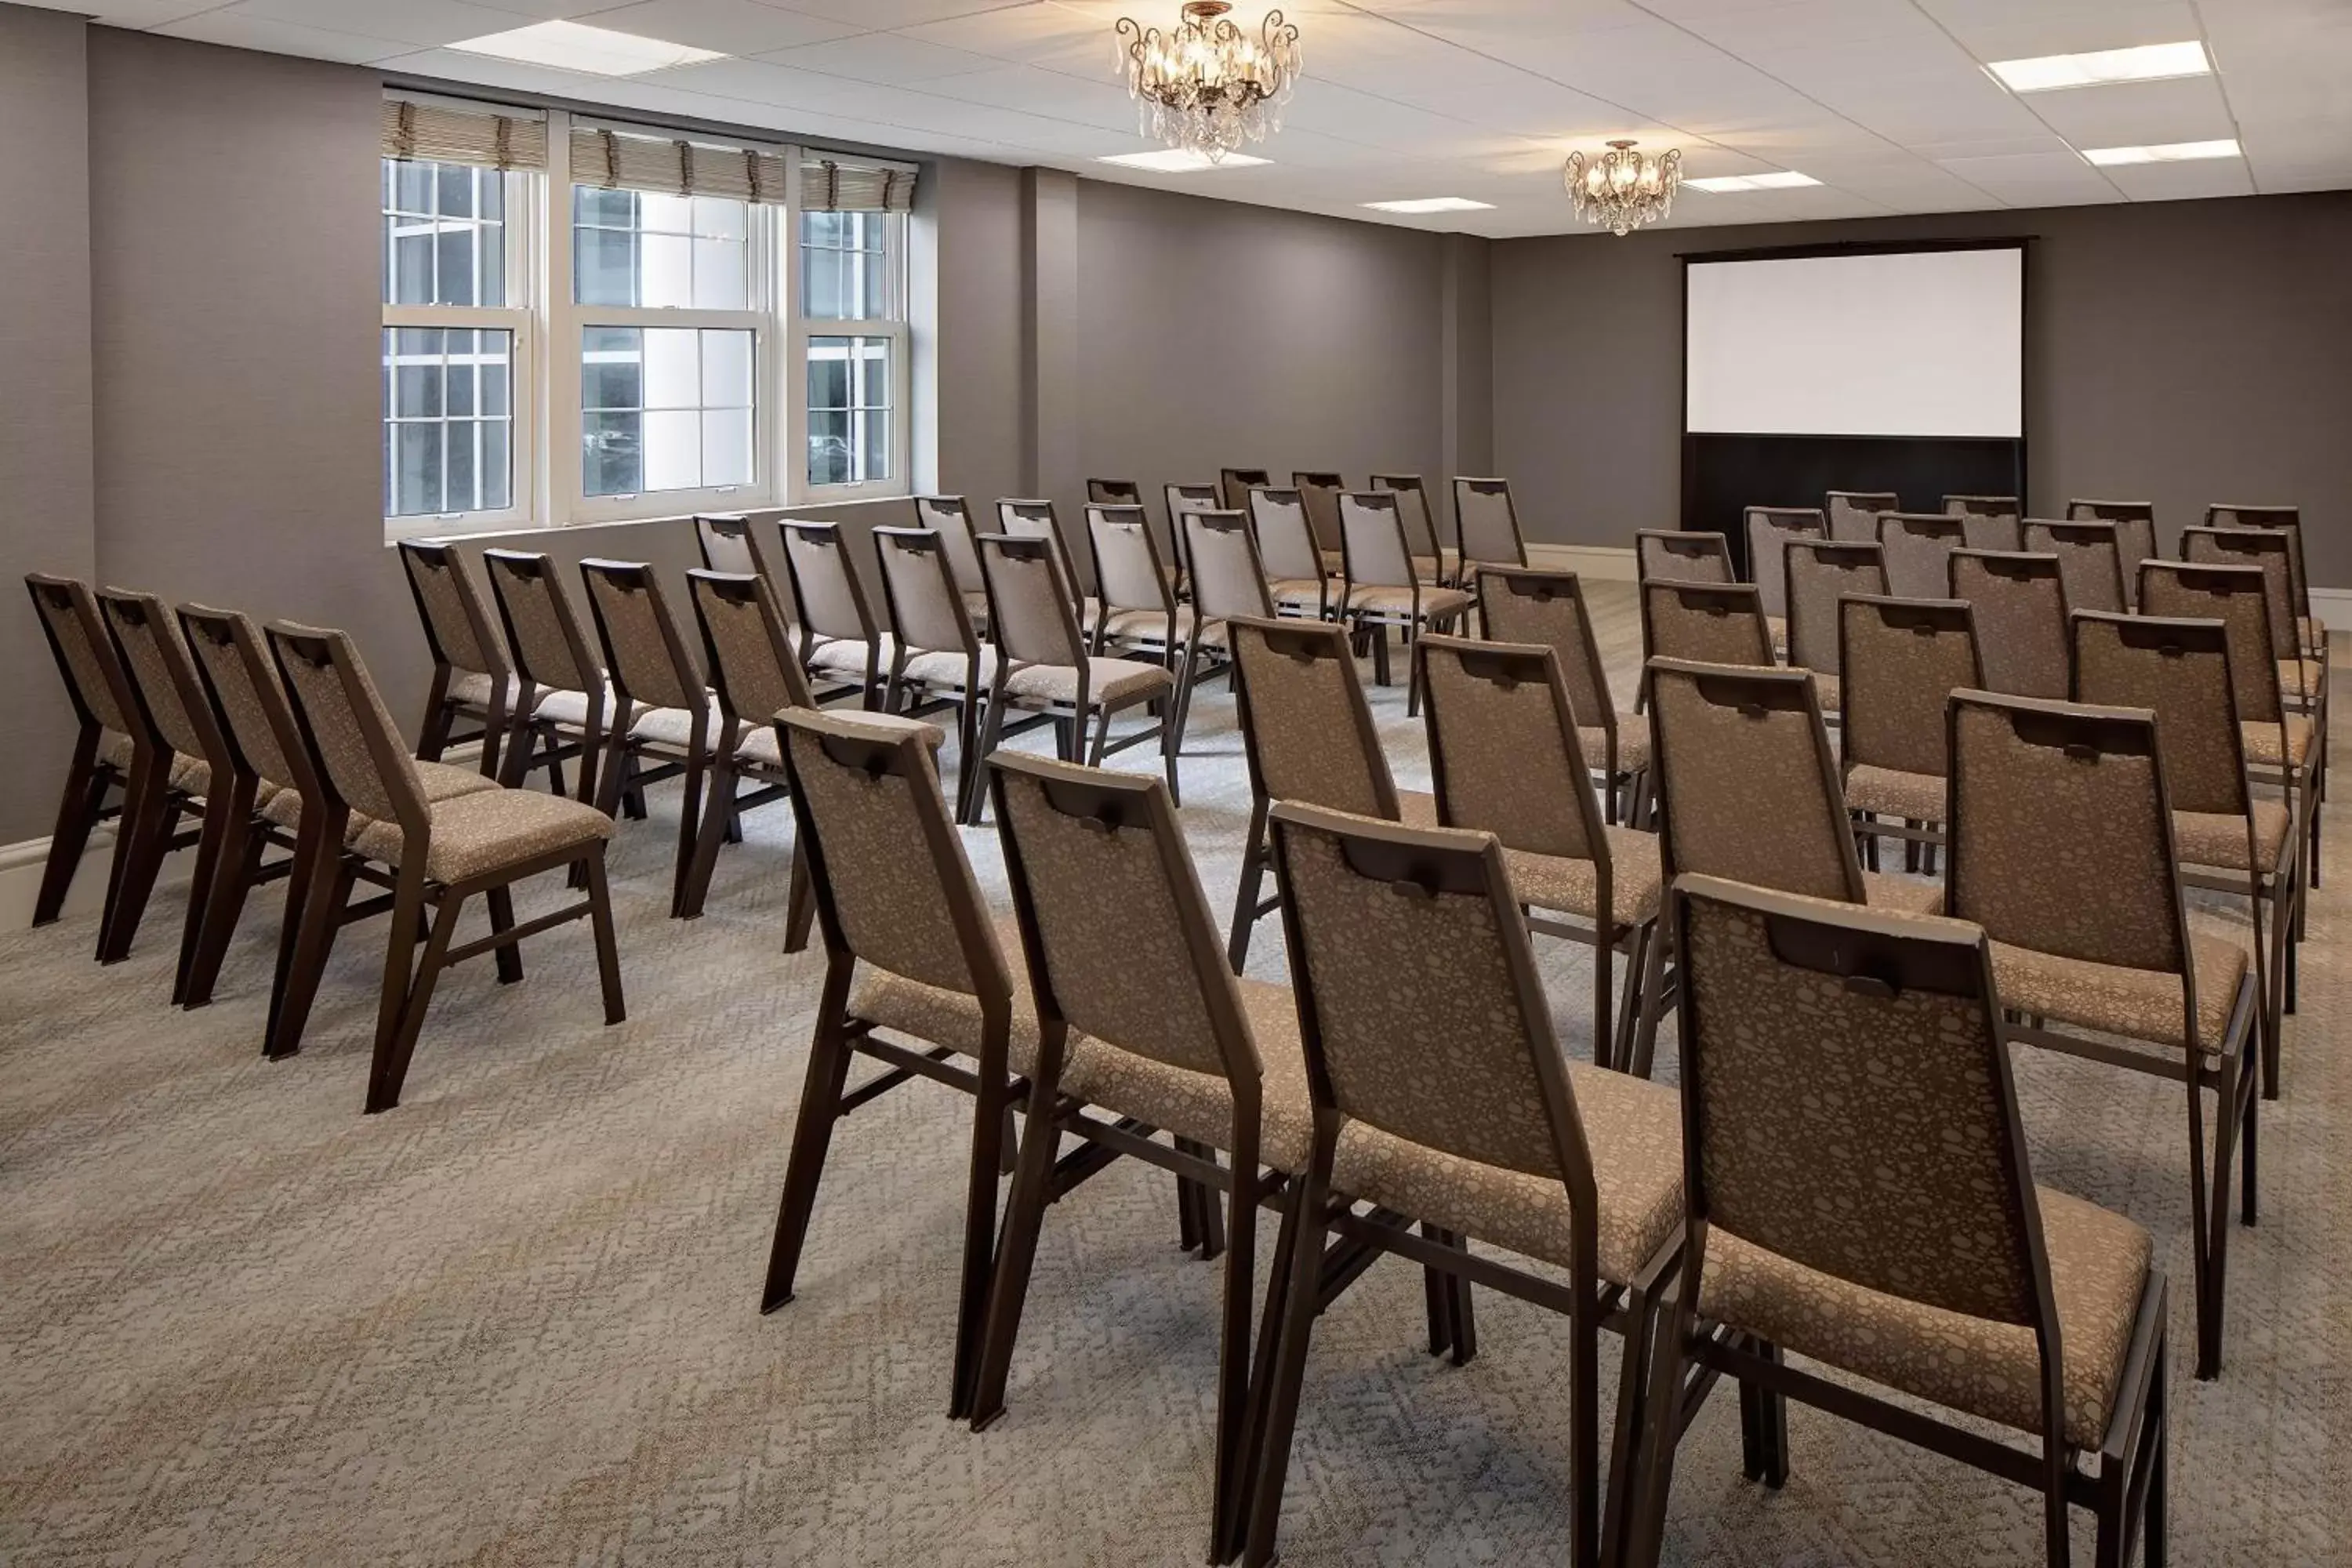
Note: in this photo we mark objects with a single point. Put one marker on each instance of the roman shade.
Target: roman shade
(484, 138)
(622, 159)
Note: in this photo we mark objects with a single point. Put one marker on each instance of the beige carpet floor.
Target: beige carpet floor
(516, 1320)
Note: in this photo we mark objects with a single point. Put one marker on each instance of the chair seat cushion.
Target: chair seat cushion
(847, 657)
(1890, 792)
(1634, 1128)
(1435, 603)
(115, 750)
(442, 781)
(472, 689)
(2301, 677)
(1777, 628)
(1829, 689)
(761, 748)
(1903, 895)
(483, 831)
(1296, 592)
(2218, 839)
(2098, 1268)
(1107, 680)
(2138, 1003)
(942, 1016)
(1560, 882)
(673, 728)
(1632, 743)
(570, 709)
(1416, 808)
(2311, 635)
(1201, 1104)
(2263, 743)
(1148, 625)
(947, 669)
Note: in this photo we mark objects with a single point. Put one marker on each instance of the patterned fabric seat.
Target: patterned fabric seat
(1572, 886)
(1436, 603)
(2264, 748)
(2218, 839)
(848, 656)
(1633, 742)
(474, 688)
(1201, 1104)
(2142, 1004)
(1890, 792)
(941, 1015)
(1296, 593)
(482, 830)
(761, 747)
(442, 781)
(1107, 680)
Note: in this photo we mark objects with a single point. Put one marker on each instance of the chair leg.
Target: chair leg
(1171, 746)
(608, 952)
(695, 872)
(691, 809)
(1233, 1351)
(210, 846)
(314, 914)
(149, 819)
(509, 958)
(1653, 985)
(408, 982)
(214, 914)
(2208, 1215)
(1629, 1005)
(433, 734)
(2155, 1529)
(1653, 1479)
(1245, 902)
(1025, 1217)
(800, 904)
(1102, 737)
(1764, 1427)
(828, 1069)
(78, 813)
(1304, 1220)
(1634, 1392)
(991, 1110)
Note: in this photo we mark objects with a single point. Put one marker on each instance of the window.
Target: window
(851, 326)
(640, 248)
(449, 410)
(665, 408)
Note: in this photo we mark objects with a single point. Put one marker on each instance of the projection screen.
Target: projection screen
(1914, 342)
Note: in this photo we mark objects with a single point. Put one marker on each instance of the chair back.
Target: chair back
(1990, 521)
(1487, 523)
(1403, 938)
(162, 682)
(1768, 530)
(1853, 514)
(1306, 727)
(647, 658)
(349, 740)
(1120, 941)
(2019, 603)
(1918, 546)
(1529, 604)
(1503, 749)
(1372, 540)
(745, 646)
(1285, 540)
(1115, 492)
(2135, 524)
(2287, 519)
(86, 658)
(2179, 671)
(2270, 550)
(1820, 573)
(2090, 560)
(548, 649)
(2049, 801)
(728, 543)
(1746, 785)
(1234, 485)
(825, 583)
(950, 518)
(1182, 498)
(1412, 505)
(1903, 660)
(1319, 493)
(1038, 519)
(2239, 597)
(1129, 571)
(248, 702)
(1872, 1044)
(456, 623)
(1032, 613)
(1223, 565)
(920, 593)
(1712, 622)
(1672, 555)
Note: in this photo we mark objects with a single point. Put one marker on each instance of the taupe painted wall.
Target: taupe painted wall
(2180, 352)
(44, 391)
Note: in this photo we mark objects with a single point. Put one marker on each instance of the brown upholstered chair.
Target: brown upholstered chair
(1227, 578)
(2135, 524)
(1675, 555)
(911, 956)
(1527, 604)
(472, 678)
(842, 647)
(1115, 492)
(1041, 520)
(1319, 492)
(1768, 530)
(563, 703)
(2019, 603)
(2089, 561)
(1179, 501)
(1404, 942)
(950, 518)
(1903, 658)
(1712, 622)
(1234, 485)
(2311, 636)
(1506, 755)
(2303, 679)
(1918, 548)
(440, 853)
(1820, 573)
(1437, 562)
(1853, 514)
(729, 544)
(1381, 590)
(1990, 521)
(1136, 581)
(1487, 527)
(939, 659)
(1140, 1021)
(1858, 1192)
(105, 750)
(1307, 735)
(1295, 572)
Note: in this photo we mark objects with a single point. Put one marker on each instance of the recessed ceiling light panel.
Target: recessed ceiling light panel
(1779, 180)
(2100, 68)
(1179, 161)
(2170, 152)
(575, 47)
(1432, 205)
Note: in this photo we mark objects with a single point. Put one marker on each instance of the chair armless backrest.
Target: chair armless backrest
(1712, 622)
(1371, 540)
(1487, 524)
(1321, 492)
(1284, 541)
(832, 602)
(1770, 528)
(163, 683)
(2048, 800)
(1990, 521)
(1820, 573)
(1234, 485)
(1871, 1043)
(1672, 555)
(2179, 670)
(2286, 519)
(1747, 785)
(1115, 492)
(1903, 660)
(648, 659)
(93, 675)
(247, 701)
(746, 645)
(2238, 597)
(1503, 749)
(1222, 565)
(1129, 573)
(2135, 524)
(1181, 499)
(1529, 605)
(1306, 727)
(728, 545)
(1917, 546)
(950, 518)
(349, 739)
(541, 629)
(2090, 560)
(893, 885)
(1030, 615)
(1419, 1005)
(2111, 512)
(1116, 930)
(1853, 514)
(2268, 549)
(1412, 505)
(2021, 611)
(457, 624)
(919, 592)
(1038, 519)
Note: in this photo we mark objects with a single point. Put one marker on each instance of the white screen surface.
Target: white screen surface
(1923, 343)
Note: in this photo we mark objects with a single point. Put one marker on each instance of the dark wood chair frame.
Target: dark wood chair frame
(1411, 484)
(866, 688)
(438, 731)
(968, 697)
(1923, 617)
(1681, 544)
(1274, 494)
(539, 742)
(1982, 510)
(1370, 626)
(89, 777)
(1234, 485)
(1872, 504)
(1624, 792)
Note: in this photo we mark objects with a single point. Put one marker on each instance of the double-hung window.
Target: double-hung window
(849, 336)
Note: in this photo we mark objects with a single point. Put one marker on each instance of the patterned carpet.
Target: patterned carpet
(515, 1322)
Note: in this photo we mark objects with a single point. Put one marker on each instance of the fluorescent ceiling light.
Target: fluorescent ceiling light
(1178, 161)
(574, 46)
(2148, 62)
(1432, 205)
(1786, 179)
(2170, 152)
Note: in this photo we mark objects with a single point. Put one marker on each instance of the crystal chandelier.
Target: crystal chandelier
(1205, 85)
(1621, 190)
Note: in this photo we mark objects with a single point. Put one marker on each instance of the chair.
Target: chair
(1307, 735)
(471, 676)
(1487, 526)
(1505, 755)
(1672, 555)
(1115, 492)
(2050, 800)
(1293, 562)
(1043, 666)
(728, 545)
(1918, 548)
(1140, 1020)
(1767, 530)
(2303, 679)
(840, 640)
(2135, 524)
(1179, 500)
(1714, 623)
(1873, 1045)
(909, 952)
(950, 518)
(2089, 561)
(1436, 561)
(1526, 605)
(440, 853)
(562, 688)
(1379, 588)
(1227, 578)
(1319, 494)
(1990, 521)
(1140, 614)
(1903, 660)
(1406, 943)
(1820, 573)
(2311, 636)
(938, 661)
(105, 752)
(1038, 519)
(1853, 514)
(1234, 485)
(2019, 603)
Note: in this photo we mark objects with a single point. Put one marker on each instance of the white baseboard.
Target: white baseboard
(20, 879)
(1601, 562)
(2333, 605)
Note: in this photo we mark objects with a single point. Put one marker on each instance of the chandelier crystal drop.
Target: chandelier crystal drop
(1621, 190)
(1205, 86)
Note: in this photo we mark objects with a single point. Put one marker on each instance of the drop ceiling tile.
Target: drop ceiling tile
(890, 14)
(885, 57)
(731, 26)
(764, 81)
(415, 22)
(1032, 90)
(243, 32)
(553, 10)
(1052, 35)
(2011, 31)
(1814, 24)
(2179, 181)
(2139, 113)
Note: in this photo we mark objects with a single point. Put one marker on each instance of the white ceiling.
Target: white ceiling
(1885, 101)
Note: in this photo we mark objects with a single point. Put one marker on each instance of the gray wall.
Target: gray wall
(2180, 352)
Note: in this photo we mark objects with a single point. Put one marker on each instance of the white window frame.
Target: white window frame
(804, 327)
